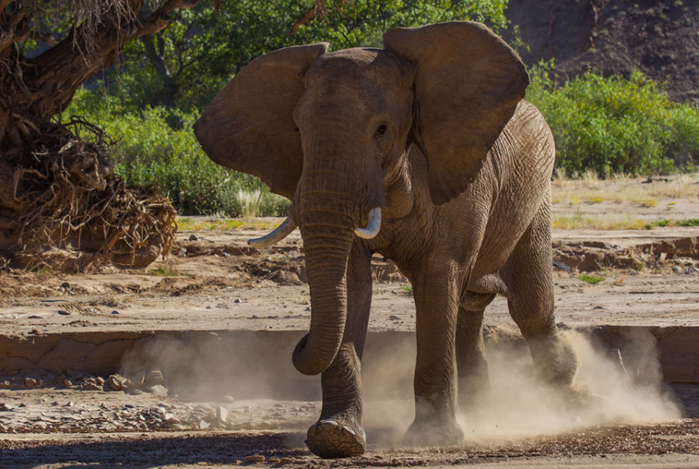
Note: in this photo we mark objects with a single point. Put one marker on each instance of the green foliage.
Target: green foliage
(591, 279)
(157, 146)
(199, 52)
(687, 222)
(616, 125)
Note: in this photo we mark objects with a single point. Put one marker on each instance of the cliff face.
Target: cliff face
(658, 38)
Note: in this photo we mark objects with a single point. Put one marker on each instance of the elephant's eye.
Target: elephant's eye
(381, 130)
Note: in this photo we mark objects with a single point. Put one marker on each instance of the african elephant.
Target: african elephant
(425, 152)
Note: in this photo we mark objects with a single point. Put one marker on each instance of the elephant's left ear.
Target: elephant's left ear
(468, 83)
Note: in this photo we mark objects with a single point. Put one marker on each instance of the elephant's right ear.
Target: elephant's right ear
(249, 125)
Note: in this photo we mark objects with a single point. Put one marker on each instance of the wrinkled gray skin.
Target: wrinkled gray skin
(433, 130)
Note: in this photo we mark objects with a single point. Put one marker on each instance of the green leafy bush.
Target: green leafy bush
(616, 125)
(157, 146)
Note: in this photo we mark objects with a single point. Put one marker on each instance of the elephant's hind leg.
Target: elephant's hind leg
(529, 281)
(471, 363)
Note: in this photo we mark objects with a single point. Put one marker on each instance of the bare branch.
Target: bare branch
(160, 18)
(307, 17)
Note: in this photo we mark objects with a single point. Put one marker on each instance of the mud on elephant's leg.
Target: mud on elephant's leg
(338, 432)
(474, 384)
(435, 370)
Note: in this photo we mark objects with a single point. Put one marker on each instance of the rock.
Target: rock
(154, 377)
(254, 459)
(115, 312)
(63, 312)
(7, 407)
(117, 382)
(158, 389)
(285, 460)
(193, 237)
(221, 414)
(677, 269)
(203, 425)
(229, 398)
(273, 460)
(31, 382)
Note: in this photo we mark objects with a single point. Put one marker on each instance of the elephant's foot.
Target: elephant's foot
(336, 439)
(434, 434)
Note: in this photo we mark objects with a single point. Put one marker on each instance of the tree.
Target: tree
(186, 64)
(56, 187)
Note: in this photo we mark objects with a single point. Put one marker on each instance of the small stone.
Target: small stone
(115, 312)
(285, 460)
(229, 398)
(193, 237)
(116, 382)
(677, 269)
(31, 382)
(203, 425)
(393, 317)
(221, 414)
(7, 407)
(254, 459)
(154, 377)
(273, 460)
(63, 312)
(158, 389)
(237, 300)
(68, 383)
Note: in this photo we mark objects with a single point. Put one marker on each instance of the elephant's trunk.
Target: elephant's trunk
(333, 197)
(326, 245)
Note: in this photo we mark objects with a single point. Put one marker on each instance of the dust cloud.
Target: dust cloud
(612, 387)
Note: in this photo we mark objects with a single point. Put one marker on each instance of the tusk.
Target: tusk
(279, 233)
(372, 227)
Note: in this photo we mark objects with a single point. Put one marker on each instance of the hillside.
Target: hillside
(658, 38)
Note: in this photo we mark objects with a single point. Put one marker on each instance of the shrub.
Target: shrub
(616, 125)
(157, 146)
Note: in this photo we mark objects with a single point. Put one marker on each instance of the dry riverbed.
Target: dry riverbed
(214, 282)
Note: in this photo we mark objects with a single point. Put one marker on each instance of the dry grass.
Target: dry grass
(624, 189)
(225, 224)
(598, 222)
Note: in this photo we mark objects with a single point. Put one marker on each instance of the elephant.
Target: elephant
(424, 152)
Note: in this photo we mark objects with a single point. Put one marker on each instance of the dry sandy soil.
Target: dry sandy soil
(213, 282)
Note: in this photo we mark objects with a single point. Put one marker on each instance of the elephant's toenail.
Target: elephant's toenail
(351, 432)
(329, 422)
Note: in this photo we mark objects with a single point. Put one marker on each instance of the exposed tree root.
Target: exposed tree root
(62, 206)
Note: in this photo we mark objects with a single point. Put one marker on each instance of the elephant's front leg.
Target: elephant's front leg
(339, 432)
(436, 301)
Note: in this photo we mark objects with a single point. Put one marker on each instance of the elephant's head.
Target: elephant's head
(331, 130)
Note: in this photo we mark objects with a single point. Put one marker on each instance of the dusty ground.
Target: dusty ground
(214, 282)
